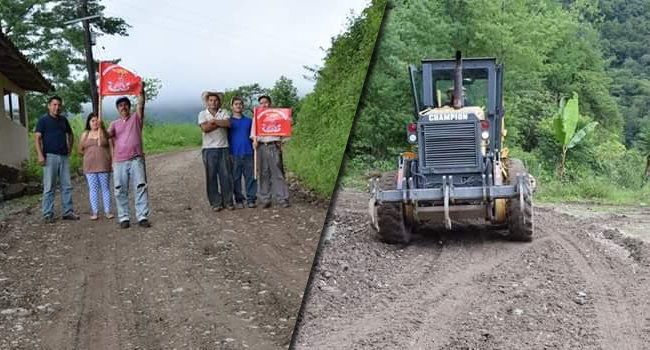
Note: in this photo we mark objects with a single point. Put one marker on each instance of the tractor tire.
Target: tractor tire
(393, 229)
(520, 224)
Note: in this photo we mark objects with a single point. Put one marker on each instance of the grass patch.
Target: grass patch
(159, 138)
(358, 171)
(591, 190)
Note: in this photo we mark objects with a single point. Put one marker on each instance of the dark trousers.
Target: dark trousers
(217, 173)
(242, 166)
(272, 182)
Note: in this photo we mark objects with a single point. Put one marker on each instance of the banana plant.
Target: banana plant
(564, 127)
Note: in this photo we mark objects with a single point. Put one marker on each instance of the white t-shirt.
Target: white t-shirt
(217, 138)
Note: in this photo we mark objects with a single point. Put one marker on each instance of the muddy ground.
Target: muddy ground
(581, 284)
(195, 280)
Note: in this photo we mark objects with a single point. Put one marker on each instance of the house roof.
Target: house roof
(20, 70)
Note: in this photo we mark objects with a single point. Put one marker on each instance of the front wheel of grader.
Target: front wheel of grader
(391, 224)
(520, 213)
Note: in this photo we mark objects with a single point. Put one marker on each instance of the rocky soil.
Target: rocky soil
(195, 280)
(581, 284)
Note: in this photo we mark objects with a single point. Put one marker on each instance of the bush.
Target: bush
(316, 149)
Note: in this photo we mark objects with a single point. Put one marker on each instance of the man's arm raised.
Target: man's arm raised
(141, 102)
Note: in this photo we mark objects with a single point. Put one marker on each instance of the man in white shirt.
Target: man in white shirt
(271, 180)
(214, 124)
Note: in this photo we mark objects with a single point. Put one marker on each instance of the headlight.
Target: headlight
(485, 134)
(413, 138)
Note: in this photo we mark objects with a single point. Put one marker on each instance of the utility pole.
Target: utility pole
(90, 62)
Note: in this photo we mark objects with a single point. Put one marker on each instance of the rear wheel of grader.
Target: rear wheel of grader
(393, 227)
(520, 223)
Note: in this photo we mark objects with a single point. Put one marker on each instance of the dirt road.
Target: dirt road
(195, 280)
(581, 284)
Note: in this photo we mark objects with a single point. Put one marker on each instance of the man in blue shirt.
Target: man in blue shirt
(241, 149)
(54, 139)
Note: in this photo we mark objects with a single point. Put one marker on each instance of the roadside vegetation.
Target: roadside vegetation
(552, 50)
(326, 115)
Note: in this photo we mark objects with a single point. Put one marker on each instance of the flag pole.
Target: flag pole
(254, 145)
(99, 106)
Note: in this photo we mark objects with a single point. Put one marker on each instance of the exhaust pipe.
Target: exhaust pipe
(458, 82)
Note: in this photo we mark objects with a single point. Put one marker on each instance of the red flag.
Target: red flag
(115, 80)
(272, 121)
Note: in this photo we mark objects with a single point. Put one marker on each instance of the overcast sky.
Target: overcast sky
(197, 45)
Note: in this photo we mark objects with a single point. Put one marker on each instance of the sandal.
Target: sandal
(110, 216)
(93, 217)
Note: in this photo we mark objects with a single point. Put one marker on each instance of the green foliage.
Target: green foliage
(159, 138)
(625, 30)
(547, 51)
(249, 93)
(566, 120)
(643, 141)
(326, 115)
(598, 49)
(578, 136)
(37, 28)
(285, 94)
(152, 87)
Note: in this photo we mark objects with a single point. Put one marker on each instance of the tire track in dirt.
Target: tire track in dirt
(195, 280)
(621, 324)
(569, 288)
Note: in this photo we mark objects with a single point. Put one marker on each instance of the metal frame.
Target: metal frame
(489, 64)
(436, 194)
(473, 119)
(448, 193)
(495, 110)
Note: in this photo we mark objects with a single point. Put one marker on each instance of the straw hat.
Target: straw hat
(204, 97)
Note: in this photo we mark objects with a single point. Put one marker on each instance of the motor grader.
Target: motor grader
(458, 167)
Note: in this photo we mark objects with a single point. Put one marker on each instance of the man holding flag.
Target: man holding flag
(269, 150)
(126, 136)
(128, 159)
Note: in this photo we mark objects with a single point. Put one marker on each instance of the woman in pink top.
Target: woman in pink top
(96, 151)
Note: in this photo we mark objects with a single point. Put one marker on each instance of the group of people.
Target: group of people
(227, 149)
(228, 141)
(117, 150)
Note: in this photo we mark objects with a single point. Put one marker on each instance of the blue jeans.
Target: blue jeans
(242, 166)
(217, 173)
(132, 170)
(56, 167)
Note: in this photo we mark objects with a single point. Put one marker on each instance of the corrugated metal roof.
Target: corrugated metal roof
(20, 70)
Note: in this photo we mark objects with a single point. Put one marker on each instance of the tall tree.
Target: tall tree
(285, 94)
(37, 28)
(249, 93)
